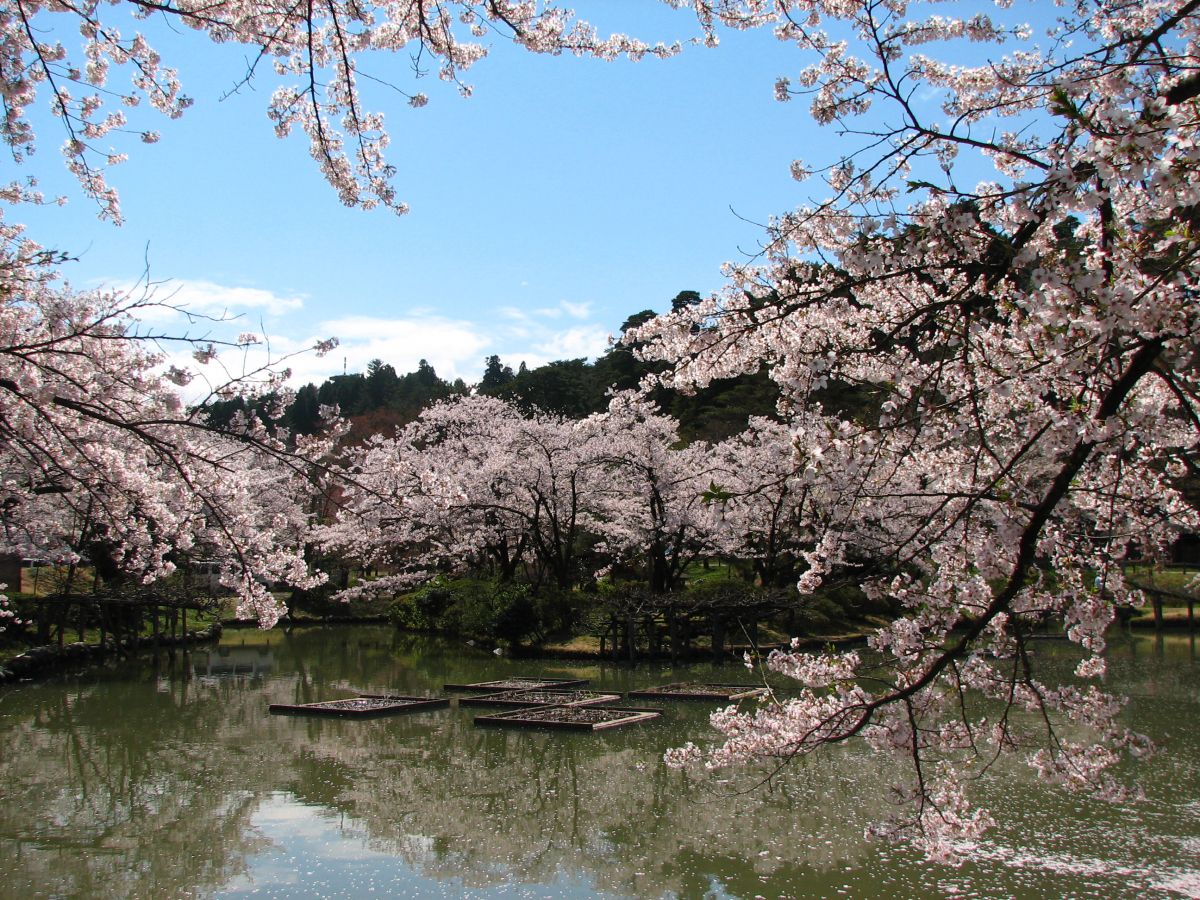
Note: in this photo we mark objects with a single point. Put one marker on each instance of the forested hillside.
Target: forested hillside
(379, 400)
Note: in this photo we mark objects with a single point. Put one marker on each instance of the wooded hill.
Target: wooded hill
(378, 400)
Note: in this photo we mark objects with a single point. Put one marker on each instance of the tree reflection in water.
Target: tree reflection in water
(169, 777)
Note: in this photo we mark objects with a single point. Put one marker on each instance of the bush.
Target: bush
(483, 609)
(560, 612)
(403, 613)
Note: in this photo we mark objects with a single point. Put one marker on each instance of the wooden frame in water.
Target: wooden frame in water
(574, 718)
(518, 683)
(361, 707)
(540, 698)
(696, 690)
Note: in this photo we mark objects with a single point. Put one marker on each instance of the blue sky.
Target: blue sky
(563, 196)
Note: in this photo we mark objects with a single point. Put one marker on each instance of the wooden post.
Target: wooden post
(673, 634)
(718, 637)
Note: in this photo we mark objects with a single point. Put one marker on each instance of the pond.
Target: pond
(168, 777)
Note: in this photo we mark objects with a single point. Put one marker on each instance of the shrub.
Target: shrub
(473, 607)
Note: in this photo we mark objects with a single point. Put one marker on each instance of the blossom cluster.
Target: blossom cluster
(1003, 274)
(317, 51)
(475, 482)
(101, 461)
(1028, 343)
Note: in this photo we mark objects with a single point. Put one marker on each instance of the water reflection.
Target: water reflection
(86, 786)
(168, 776)
(224, 661)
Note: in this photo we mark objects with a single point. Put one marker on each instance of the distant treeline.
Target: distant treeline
(378, 400)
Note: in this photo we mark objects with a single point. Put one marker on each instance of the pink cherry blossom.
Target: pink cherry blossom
(1028, 342)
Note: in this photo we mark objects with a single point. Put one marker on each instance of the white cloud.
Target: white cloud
(214, 301)
(515, 314)
(576, 310)
(456, 348)
(573, 310)
(582, 340)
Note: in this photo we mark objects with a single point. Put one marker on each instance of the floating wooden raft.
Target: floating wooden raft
(519, 683)
(540, 698)
(576, 718)
(694, 690)
(363, 707)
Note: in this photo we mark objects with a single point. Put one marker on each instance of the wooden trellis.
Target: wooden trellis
(519, 683)
(365, 706)
(695, 690)
(574, 718)
(540, 698)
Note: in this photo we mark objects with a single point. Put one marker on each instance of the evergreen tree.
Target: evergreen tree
(495, 376)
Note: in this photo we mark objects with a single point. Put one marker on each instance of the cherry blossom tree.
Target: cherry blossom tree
(320, 53)
(102, 461)
(651, 505)
(95, 67)
(476, 485)
(476, 482)
(472, 483)
(1006, 259)
(406, 509)
(767, 511)
(1010, 267)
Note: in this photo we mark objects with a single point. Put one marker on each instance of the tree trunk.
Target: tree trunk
(718, 637)
(673, 635)
(64, 610)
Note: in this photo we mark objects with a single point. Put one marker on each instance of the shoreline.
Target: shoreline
(47, 659)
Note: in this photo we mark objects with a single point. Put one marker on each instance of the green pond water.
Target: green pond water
(168, 777)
